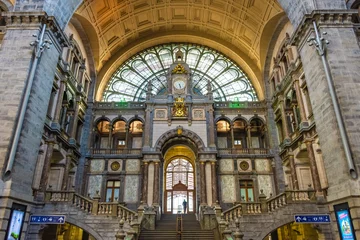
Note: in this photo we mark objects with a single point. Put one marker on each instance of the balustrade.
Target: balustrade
(124, 151)
(245, 151)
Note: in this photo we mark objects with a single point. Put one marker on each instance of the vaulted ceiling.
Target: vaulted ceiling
(237, 28)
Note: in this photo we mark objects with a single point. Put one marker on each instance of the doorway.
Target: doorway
(179, 186)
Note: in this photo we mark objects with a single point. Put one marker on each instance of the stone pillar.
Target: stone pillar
(248, 133)
(156, 183)
(145, 182)
(147, 131)
(127, 128)
(300, 100)
(63, 117)
(202, 184)
(214, 183)
(211, 127)
(294, 178)
(313, 166)
(110, 140)
(232, 135)
(65, 181)
(284, 121)
(47, 163)
(75, 118)
(59, 103)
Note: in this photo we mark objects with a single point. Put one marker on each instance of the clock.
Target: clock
(179, 84)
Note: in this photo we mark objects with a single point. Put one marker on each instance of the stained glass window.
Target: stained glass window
(228, 81)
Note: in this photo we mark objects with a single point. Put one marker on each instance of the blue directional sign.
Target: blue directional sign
(47, 219)
(320, 218)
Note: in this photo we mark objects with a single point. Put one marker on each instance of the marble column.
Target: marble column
(147, 128)
(110, 140)
(248, 133)
(75, 118)
(313, 166)
(202, 184)
(47, 164)
(232, 135)
(295, 182)
(59, 103)
(65, 181)
(211, 127)
(300, 100)
(156, 184)
(284, 121)
(127, 128)
(145, 182)
(214, 183)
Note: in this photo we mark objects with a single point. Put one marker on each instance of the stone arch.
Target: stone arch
(102, 118)
(180, 134)
(6, 5)
(223, 118)
(266, 229)
(136, 118)
(240, 118)
(119, 118)
(257, 118)
(84, 226)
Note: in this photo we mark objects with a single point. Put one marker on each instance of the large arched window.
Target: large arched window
(229, 82)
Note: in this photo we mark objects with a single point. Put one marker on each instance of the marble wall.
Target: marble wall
(131, 189)
(132, 165)
(97, 165)
(228, 191)
(262, 165)
(95, 182)
(265, 183)
(226, 165)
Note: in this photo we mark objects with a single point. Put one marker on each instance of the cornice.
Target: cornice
(34, 20)
(328, 18)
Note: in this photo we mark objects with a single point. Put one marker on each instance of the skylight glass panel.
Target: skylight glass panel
(130, 81)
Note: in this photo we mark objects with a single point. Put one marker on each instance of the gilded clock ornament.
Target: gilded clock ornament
(115, 166)
(179, 109)
(179, 69)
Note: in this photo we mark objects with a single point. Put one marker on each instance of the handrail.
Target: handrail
(134, 151)
(243, 151)
(179, 226)
(92, 206)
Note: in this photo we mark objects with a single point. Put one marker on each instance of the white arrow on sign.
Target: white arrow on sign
(298, 219)
(61, 219)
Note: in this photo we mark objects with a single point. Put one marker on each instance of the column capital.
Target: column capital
(308, 140)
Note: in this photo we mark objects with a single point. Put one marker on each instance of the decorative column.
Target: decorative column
(232, 135)
(211, 127)
(156, 183)
(214, 183)
(202, 184)
(300, 100)
(147, 131)
(75, 118)
(110, 142)
(47, 163)
(59, 103)
(284, 121)
(294, 178)
(64, 115)
(313, 166)
(127, 128)
(248, 133)
(65, 181)
(145, 182)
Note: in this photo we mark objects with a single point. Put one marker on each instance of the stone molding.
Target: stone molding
(328, 18)
(33, 20)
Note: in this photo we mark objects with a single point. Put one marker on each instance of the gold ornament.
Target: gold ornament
(179, 69)
(179, 109)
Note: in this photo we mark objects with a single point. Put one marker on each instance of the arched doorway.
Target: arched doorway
(179, 186)
(179, 180)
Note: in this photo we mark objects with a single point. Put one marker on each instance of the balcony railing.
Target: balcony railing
(125, 151)
(240, 151)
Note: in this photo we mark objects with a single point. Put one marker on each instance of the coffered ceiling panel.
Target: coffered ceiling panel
(119, 22)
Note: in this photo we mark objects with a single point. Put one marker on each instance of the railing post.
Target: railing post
(238, 235)
(95, 207)
(135, 225)
(114, 210)
(262, 199)
(120, 235)
(140, 210)
(217, 209)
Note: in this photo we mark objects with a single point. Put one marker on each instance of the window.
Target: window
(247, 190)
(112, 191)
(237, 143)
(228, 81)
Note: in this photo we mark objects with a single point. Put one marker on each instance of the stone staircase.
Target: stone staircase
(166, 229)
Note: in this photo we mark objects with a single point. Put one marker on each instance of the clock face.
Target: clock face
(179, 84)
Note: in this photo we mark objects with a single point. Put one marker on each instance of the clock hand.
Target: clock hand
(179, 85)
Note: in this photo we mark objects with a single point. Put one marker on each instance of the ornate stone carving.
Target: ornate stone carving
(179, 109)
(160, 114)
(198, 114)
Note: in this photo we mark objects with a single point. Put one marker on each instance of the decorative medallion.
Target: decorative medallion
(115, 166)
(244, 165)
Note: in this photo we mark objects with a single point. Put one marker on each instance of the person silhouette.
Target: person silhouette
(184, 205)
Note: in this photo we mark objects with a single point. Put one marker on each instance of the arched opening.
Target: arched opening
(179, 180)
(294, 231)
(66, 231)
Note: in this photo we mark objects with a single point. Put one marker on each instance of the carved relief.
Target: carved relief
(115, 165)
(198, 114)
(244, 165)
(160, 114)
(179, 109)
